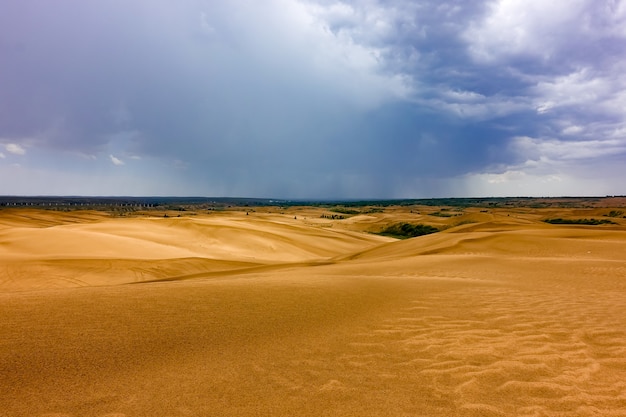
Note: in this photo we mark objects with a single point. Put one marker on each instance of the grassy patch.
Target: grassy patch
(592, 222)
(407, 230)
(444, 213)
(344, 210)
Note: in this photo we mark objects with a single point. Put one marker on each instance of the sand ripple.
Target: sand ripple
(513, 353)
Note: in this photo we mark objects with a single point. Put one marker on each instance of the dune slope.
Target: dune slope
(57, 250)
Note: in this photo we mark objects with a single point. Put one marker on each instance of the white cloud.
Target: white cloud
(14, 148)
(520, 183)
(554, 167)
(305, 44)
(560, 150)
(546, 178)
(2, 155)
(577, 88)
(116, 161)
(525, 27)
(572, 130)
(506, 176)
(347, 44)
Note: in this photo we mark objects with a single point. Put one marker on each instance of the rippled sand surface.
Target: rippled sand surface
(291, 314)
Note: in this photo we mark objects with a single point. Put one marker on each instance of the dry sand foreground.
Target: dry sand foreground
(225, 314)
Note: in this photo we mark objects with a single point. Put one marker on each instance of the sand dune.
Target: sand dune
(267, 315)
(100, 250)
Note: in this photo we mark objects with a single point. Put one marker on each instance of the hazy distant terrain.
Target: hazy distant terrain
(262, 308)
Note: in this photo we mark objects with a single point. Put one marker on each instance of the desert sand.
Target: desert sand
(288, 313)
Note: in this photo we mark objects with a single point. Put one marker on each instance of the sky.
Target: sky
(313, 99)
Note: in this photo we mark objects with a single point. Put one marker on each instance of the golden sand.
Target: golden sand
(291, 314)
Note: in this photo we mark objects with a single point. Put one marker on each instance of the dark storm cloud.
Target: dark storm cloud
(314, 98)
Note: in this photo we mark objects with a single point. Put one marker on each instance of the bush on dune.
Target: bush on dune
(592, 222)
(407, 230)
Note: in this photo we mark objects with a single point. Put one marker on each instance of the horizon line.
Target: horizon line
(76, 196)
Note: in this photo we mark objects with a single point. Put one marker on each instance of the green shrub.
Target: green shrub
(344, 210)
(407, 230)
(441, 214)
(592, 222)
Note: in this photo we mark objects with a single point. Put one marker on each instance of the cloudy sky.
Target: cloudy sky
(313, 98)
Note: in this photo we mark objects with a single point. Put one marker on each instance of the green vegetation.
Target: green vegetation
(344, 210)
(332, 216)
(407, 230)
(592, 222)
(354, 211)
(444, 213)
(615, 213)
